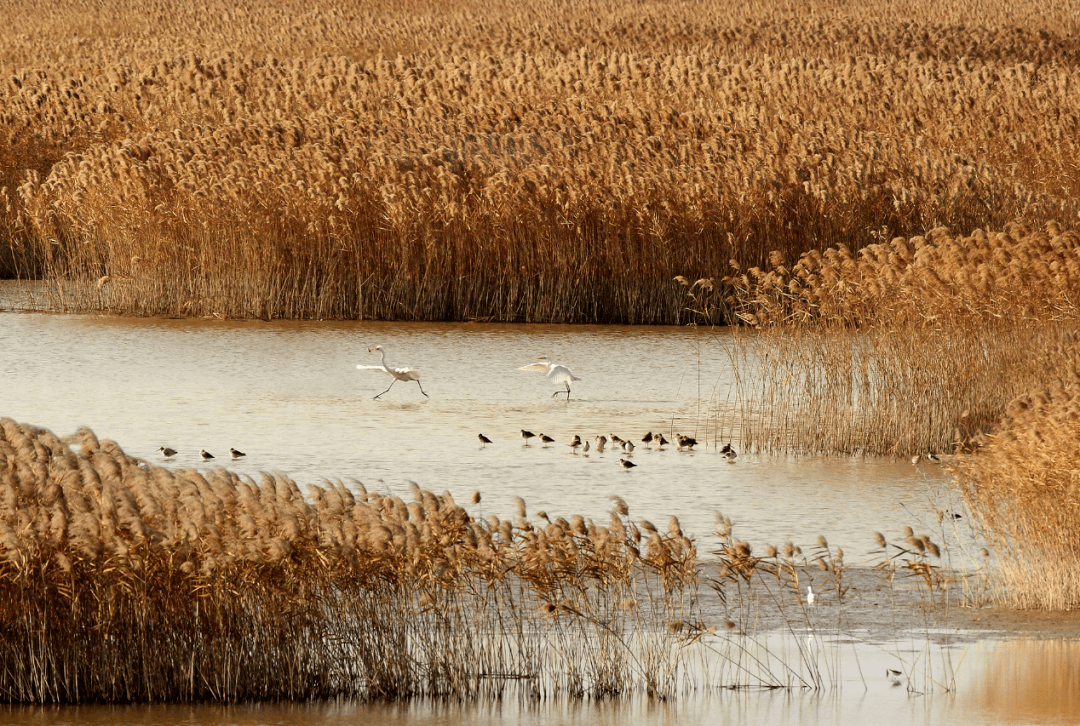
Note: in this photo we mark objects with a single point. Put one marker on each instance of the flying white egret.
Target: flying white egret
(398, 374)
(555, 372)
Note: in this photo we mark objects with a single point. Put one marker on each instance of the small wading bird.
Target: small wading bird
(686, 442)
(628, 446)
(585, 447)
(660, 441)
(206, 455)
(728, 452)
(601, 442)
(167, 452)
(236, 454)
(546, 439)
(554, 372)
(527, 435)
(484, 440)
(398, 374)
(628, 465)
(647, 439)
(575, 443)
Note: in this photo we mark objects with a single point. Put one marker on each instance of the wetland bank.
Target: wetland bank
(875, 200)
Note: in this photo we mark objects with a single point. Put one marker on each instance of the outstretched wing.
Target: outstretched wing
(561, 374)
(380, 369)
(538, 366)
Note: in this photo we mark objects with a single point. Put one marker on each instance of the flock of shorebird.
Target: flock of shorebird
(168, 453)
(601, 442)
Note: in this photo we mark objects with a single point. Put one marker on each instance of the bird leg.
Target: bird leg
(387, 388)
(421, 389)
(559, 393)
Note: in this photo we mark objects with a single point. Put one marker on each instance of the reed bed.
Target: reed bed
(1022, 488)
(554, 162)
(911, 347)
(124, 582)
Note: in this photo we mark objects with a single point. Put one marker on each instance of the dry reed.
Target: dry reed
(556, 162)
(1022, 489)
(125, 582)
(903, 348)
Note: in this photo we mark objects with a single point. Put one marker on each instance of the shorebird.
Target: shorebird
(398, 374)
(647, 439)
(729, 452)
(554, 372)
(484, 440)
(206, 455)
(661, 441)
(916, 459)
(893, 675)
(546, 439)
(585, 447)
(575, 443)
(527, 435)
(615, 440)
(628, 465)
(687, 442)
(628, 446)
(931, 456)
(601, 442)
(236, 454)
(167, 452)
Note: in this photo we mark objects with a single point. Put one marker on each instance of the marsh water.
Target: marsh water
(289, 395)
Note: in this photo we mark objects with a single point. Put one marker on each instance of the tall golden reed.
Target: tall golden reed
(124, 582)
(556, 162)
(903, 348)
(1023, 488)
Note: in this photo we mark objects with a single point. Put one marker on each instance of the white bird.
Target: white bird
(398, 374)
(810, 595)
(555, 373)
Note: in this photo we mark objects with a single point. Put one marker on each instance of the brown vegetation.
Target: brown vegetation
(511, 161)
(127, 582)
(1024, 489)
(903, 348)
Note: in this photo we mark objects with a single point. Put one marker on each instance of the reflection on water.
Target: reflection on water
(289, 395)
(997, 682)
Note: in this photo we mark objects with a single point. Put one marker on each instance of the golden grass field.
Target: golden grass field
(509, 161)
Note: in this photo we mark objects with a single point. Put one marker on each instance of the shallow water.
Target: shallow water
(289, 395)
(987, 682)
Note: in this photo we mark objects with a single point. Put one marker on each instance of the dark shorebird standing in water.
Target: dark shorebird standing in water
(206, 455)
(585, 447)
(167, 452)
(575, 443)
(398, 374)
(628, 446)
(601, 442)
(545, 439)
(484, 440)
(686, 442)
(661, 442)
(647, 439)
(236, 454)
(554, 372)
(628, 465)
(527, 435)
(728, 452)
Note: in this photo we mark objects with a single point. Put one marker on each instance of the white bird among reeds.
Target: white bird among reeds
(554, 372)
(398, 374)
